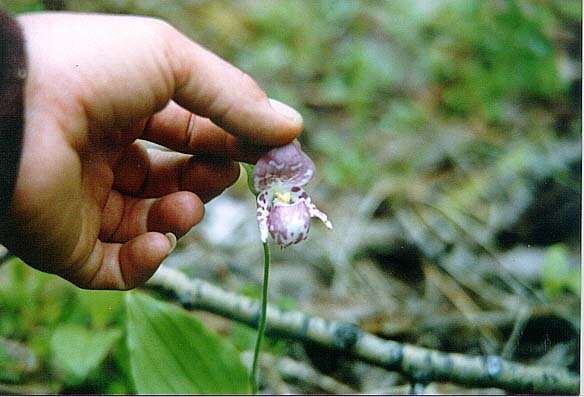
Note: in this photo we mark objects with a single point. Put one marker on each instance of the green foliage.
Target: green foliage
(558, 274)
(78, 351)
(353, 168)
(504, 44)
(455, 103)
(249, 176)
(171, 352)
(16, 361)
(22, 6)
(103, 307)
(44, 296)
(69, 331)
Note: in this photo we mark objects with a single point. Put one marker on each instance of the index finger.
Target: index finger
(211, 87)
(178, 129)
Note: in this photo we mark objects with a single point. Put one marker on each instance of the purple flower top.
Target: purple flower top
(287, 166)
(284, 209)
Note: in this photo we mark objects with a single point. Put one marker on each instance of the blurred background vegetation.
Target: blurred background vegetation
(447, 135)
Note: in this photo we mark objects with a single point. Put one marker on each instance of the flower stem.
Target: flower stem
(263, 320)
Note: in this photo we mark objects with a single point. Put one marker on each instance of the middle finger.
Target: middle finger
(155, 173)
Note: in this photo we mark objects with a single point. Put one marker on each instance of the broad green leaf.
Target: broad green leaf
(102, 306)
(78, 350)
(171, 352)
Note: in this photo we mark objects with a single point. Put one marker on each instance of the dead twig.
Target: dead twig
(420, 364)
(292, 370)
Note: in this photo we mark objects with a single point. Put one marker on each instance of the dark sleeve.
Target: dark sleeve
(12, 78)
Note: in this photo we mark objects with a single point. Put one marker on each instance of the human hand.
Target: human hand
(91, 204)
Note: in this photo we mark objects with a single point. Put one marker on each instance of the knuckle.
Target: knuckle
(167, 34)
(162, 27)
(252, 87)
(175, 48)
(170, 42)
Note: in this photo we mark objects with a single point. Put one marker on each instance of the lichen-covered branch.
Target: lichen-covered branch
(420, 364)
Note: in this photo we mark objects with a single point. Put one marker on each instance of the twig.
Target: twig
(292, 370)
(456, 295)
(522, 318)
(499, 319)
(270, 377)
(27, 389)
(420, 364)
(4, 254)
(518, 286)
(417, 389)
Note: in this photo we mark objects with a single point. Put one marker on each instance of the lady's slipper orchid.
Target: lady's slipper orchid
(284, 209)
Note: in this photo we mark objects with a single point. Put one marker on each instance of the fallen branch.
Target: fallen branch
(296, 371)
(421, 365)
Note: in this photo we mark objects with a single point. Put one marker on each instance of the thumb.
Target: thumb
(211, 87)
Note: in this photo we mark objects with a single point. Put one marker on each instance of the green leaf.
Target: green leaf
(102, 306)
(16, 361)
(20, 6)
(171, 352)
(249, 172)
(77, 350)
(558, 275)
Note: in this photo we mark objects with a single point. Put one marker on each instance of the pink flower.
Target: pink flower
(284, 209)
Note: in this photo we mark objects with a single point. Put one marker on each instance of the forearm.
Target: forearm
(12, 79)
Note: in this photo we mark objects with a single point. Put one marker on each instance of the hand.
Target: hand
(91, 204)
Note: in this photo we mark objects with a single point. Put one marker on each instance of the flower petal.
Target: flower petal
(287, 165)
(289, 223)
(316, 213)
(262, 213)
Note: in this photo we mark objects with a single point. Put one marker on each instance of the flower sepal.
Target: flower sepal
(284, 209)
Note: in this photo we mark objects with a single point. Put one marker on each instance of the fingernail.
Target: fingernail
(172, 240)
(285, 110)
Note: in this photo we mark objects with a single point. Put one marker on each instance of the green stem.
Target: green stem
(263, 320)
